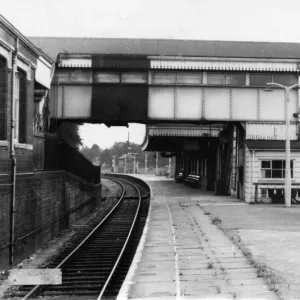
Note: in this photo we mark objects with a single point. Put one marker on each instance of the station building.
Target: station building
(38, 197)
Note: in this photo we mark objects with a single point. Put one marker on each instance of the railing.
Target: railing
(272, 185)
(73, 161)
(59, 155)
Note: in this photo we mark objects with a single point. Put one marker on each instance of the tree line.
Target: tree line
(105, 156)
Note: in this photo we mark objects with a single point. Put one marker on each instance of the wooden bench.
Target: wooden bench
(272, 185)
(193, 180)
(179, 177)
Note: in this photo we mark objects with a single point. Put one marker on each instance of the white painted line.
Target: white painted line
(177, 279)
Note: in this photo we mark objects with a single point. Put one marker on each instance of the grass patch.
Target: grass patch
(262, 270)
(216, 221)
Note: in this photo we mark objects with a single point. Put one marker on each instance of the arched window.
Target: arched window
(3, 87)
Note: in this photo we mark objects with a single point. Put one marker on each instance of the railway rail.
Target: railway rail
(98, 265)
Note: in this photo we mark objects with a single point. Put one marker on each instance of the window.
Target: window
(184, 78)
(81, 76)
(274, 169)
(285, 79)
(216, 78)
(189, 78)
(235, 79)
(20, 106)
(134, 77)
(3, 75)
(164, 77)
(106, 77)
(226, 78)
(77, 75)
(261, 79)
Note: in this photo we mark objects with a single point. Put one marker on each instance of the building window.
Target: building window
(20, 106)
(261, 79)
(216, 78)
(74, 76)
(3, 84)
(274, 169)
(235, 78)
(226, 78)
(182, 78)
(285, 79)
(189, 78)
(106, 77)
(164, 77)
(135, 77)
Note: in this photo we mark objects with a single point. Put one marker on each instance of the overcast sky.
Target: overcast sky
(240, 20)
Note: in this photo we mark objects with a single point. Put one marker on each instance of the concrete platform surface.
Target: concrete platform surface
(182, 255)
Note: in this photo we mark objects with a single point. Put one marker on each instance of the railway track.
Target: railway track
(97, 266)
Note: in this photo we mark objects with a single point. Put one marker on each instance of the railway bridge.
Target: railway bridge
(203, 101)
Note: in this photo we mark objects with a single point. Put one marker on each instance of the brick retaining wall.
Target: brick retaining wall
(46, 203)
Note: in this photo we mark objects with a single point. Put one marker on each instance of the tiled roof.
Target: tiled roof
(55, 45)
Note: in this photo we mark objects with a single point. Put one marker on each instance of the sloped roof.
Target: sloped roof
(9, 26)
(196, 48)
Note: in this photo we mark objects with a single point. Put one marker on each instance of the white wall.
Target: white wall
(253, 165)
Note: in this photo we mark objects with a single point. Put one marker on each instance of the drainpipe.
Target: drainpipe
(13, 157)
(253, 153)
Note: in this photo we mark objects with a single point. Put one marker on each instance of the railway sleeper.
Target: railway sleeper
(74, 287)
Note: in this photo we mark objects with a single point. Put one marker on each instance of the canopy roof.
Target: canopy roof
(167, 47)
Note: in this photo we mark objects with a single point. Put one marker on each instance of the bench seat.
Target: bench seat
(193, 180)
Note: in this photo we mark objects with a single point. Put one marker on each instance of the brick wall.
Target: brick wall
(46, 203)
(39, 151)
(5, 163)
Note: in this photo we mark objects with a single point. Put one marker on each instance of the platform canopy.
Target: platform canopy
(176, 138)
(267, 145)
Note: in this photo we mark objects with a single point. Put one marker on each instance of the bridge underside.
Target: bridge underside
(120, 89)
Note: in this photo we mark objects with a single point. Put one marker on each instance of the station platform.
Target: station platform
(182, 255)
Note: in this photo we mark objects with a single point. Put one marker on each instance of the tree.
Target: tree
(95, 151)
(106, 157)
(92, 154)
(69, 132)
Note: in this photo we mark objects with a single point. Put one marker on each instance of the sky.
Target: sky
(239, 20)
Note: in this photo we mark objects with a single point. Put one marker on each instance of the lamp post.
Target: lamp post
(134, 162)
(287, 189)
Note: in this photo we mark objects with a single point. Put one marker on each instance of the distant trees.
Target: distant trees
(93, 154)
